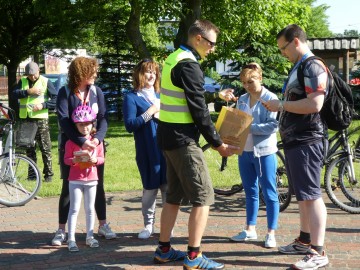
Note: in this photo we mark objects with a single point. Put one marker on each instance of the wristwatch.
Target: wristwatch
(281, 106)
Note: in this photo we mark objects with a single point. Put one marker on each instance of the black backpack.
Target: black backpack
(338, 108)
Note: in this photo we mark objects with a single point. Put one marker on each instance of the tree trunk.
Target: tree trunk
(133, 30)
(12, 80)
(191, 12)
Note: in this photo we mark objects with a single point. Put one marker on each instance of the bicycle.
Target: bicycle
(342, 171)
(343, 174)
(227, 168)
(19, 176)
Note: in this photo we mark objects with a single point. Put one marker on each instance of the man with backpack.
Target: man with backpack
(303, 135)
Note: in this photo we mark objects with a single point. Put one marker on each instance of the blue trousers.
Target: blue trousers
(255, 171)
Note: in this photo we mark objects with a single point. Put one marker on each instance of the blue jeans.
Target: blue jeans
(255, 170)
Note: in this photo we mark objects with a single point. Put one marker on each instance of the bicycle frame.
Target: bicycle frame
(8, 149)
(335, 142)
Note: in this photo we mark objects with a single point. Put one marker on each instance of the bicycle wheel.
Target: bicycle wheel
(343, 191)
(282, 182)
(224, 172)
(20, 182)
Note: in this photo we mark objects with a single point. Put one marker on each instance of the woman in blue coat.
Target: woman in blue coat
(140, 109)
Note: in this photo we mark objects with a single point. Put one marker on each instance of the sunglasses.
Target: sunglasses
(212, 44)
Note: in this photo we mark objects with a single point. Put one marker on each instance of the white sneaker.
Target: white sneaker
(59, 238)
(146, 232)
(105, 231)
(312, 261)
(244, 236)
(72, 246)
(270, 241)
(92, 242)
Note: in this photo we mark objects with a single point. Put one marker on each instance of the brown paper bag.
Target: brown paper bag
(233, 126)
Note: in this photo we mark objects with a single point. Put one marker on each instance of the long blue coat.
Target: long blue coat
(149, 158)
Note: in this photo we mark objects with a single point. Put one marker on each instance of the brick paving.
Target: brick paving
(26, 234)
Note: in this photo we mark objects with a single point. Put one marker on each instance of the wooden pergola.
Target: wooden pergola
(339, 53)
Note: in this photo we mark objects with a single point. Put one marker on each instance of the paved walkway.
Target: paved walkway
(26, 233)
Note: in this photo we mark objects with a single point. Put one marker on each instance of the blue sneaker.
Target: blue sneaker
(170, 256)
(201, 262)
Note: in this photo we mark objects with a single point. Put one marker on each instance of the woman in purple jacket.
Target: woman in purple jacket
(140, 109)
(81, 91)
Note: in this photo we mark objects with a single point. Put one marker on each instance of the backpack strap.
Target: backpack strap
(300, 70)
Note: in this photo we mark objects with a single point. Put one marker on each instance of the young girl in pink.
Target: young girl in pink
(83, 176)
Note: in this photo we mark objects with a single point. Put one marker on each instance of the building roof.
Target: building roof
(345, 43)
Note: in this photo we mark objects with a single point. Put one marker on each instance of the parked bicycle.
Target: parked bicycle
(341, 179)
(19, 176)
(342, 170)
(342, 175)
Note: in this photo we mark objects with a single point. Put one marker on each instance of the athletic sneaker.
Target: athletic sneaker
(92, 242)
(59, 238)
(312, 261)
(296, 247)
(105, 231)
(146, 232)
(72, 246)
(270, 241)
(201, 262)
(244, 236)
(170, 256)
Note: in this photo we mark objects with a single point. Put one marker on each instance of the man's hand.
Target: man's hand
(34, 91)
(227, 95)
(37, 107)
(271, 105)
(226, 150)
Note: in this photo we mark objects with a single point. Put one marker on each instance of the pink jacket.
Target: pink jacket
(76, 173)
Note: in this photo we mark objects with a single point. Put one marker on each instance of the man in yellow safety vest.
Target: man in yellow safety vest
(36, 95)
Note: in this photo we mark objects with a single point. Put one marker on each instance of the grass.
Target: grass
(121, 172)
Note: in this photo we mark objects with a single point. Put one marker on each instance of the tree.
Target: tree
(319, 26)
(27, 27)
(351, 33)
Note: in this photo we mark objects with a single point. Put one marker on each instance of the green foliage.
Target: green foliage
(319, 26)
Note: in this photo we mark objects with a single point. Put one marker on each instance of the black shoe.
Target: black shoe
(48, 179)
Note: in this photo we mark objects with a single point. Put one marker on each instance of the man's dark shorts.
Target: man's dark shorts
(303, 167)
(188, 176)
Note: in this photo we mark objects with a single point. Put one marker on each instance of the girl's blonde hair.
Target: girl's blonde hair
(251, 70)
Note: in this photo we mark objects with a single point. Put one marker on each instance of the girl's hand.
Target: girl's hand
(93, 160)
(76, 160)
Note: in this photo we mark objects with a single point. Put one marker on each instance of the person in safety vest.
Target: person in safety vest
(183, 117)
(36, 95)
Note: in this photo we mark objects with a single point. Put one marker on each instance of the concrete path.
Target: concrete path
(26, 234)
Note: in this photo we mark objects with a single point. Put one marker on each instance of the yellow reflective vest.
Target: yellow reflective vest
(28, 102)
(173, 104)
